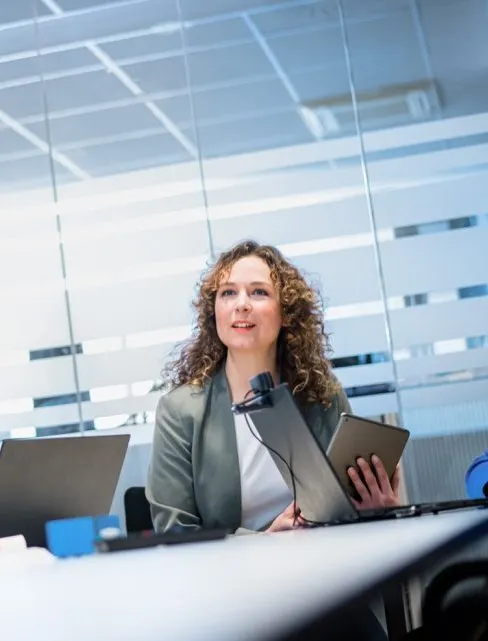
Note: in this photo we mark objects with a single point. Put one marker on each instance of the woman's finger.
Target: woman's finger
(381, 475)
(395, 481)
(360, 487)
(369, 479)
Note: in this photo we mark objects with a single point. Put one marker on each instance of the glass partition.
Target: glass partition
(36, 356)
(415, 70)
(138, 138)
(289, 175)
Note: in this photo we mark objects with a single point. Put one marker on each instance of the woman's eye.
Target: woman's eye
(260, 292)
(226, 292)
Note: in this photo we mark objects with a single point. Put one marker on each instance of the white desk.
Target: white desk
(243, 588)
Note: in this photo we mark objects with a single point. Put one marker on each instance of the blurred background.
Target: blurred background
(139, 138)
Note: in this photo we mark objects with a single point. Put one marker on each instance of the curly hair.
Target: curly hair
(303, 344)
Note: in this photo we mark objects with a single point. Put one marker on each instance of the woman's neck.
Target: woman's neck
(239, 368)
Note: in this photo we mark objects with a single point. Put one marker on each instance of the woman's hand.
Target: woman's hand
(375, 490)
(289, 519)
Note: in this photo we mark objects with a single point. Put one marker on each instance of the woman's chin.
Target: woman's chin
(245, 345)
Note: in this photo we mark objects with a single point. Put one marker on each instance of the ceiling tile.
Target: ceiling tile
(313, 15)
(11, 142)
(25, 173)
(160, 75)
(15, 10)
(228, 102)
(22, 101)
(76, 5)
(98, 124)
(130, 155)
(315, 48)
(47, 63)
(151, 44)
(196, 9)
(106, 22)
(253, 134)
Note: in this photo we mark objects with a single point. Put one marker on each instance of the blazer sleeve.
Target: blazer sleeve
(169, 488)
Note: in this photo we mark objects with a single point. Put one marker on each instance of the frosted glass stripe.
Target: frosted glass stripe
(278, 227)
(430, 323)
(125, 366)
(29, 267)
(357, 335)
(469, 359)
(374, 405)
(46, 377)
(435, 261)
(135, 249)
(365, 374)
(447, 197)
(33, 322)
(68, 414)
(133, 307)
(54, 376)
(447, 394)
(348, 276)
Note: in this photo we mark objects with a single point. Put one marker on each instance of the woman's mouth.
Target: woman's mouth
(243, 326)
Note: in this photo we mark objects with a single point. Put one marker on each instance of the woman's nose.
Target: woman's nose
(243, 303)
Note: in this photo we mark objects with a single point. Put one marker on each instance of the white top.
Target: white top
(246, 587)
(264, 493)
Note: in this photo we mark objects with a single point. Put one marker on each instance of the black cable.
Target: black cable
(296, 510)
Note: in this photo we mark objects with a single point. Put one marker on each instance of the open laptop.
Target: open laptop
(306, 469)
(54, 478)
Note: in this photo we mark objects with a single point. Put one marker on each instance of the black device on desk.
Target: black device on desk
(150, 540)
(45, 479)
(277, 422)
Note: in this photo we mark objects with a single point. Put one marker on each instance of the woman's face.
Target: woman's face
(247, 308)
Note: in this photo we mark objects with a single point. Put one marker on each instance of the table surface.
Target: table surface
(246, 587)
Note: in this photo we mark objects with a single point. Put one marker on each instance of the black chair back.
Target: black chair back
(137, 511)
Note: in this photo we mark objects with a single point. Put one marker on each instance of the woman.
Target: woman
(254, 313)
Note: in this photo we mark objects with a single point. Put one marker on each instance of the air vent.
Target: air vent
(387, 106)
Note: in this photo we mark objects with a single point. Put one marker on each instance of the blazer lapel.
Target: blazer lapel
(221, 461)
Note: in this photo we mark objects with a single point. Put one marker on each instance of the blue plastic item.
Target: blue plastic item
(76, 537)
(477, 477)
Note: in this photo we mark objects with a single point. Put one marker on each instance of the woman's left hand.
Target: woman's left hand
(375, 489)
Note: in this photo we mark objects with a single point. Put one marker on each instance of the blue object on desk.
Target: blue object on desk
(76, 537)
(477, 477)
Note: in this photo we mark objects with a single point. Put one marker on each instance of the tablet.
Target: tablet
(357, 437)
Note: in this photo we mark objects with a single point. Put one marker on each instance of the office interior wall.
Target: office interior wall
(138, 138)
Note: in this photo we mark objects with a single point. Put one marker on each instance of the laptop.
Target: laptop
(56, 478)
(307, 471)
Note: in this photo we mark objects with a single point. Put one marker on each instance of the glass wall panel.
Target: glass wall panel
(128, 193)
(38, 391)
(280, 167)
(419, 77)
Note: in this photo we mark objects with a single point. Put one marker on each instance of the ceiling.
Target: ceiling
(114, 75)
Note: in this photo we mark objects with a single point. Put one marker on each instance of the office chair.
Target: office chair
(137, 511)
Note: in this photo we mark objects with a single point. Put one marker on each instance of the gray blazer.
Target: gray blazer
(194, 477)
